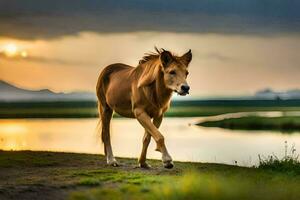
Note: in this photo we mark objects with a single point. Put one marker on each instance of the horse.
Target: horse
(143, 92)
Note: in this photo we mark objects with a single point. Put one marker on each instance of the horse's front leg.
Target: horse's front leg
(146, 122)
(142, 159)
(146, 141)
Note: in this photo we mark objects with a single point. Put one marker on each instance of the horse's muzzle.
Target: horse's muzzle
(184, 90)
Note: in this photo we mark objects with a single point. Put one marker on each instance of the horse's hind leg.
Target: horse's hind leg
(106, 118)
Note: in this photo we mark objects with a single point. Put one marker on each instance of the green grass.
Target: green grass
(25, 174)
(284, 123)
(195, 185)
(288, 164)
(90, 112)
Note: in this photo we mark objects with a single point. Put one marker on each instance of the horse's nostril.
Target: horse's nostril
(185, 88)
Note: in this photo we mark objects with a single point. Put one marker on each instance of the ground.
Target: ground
(49, 175)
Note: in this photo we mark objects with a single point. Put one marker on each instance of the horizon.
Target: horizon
(175, 97)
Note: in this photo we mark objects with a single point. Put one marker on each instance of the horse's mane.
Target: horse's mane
(147, 72)
(151, 55)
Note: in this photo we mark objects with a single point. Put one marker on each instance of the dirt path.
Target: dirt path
(48, 175)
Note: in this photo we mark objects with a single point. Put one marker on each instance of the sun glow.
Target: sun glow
(12, 50)
(12, 128)
(24, 54)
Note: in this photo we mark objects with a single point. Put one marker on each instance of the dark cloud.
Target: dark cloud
(32, 19)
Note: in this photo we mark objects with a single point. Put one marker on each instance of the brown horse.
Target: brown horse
(144, 93)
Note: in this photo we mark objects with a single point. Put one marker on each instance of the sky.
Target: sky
(238, 46)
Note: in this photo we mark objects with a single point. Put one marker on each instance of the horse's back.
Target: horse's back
(114, 68)
(118, 67)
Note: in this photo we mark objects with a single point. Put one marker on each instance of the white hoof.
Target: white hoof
(167, 161)
(113, 163)
(168, 164)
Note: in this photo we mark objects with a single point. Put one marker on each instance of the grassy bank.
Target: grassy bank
(48, 175)
(284, 123)
(188, 108)
(91, 112)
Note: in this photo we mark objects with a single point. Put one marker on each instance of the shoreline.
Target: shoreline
(60, 175)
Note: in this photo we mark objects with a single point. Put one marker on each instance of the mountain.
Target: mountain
(9, 92)
(284, 95)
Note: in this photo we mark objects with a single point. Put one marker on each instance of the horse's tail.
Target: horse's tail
(101, 87)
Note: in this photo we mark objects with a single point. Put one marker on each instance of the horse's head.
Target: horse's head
(175, 70)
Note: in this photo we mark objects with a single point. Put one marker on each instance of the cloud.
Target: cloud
(218, 56)
(45, 60)
(35, 19)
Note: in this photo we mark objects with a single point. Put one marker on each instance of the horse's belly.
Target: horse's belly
(119, 99)
(124, 113)
(122, 106)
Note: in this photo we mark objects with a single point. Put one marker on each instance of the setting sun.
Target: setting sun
(12, 50)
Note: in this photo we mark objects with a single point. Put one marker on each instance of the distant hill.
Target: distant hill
(9, 92)
(271, 94)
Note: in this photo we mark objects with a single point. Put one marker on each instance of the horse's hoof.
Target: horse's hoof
(113, 163)
(168, 165)
(144, 166)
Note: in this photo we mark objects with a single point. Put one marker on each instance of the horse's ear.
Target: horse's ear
(166, 58)
(148, 76)
(186, 58)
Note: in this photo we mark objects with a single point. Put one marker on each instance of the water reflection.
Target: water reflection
(186, 142)
(245, 114)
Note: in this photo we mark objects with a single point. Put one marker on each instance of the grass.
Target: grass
(90, 112)
(283, 123)
(27, 174)
(288, 164)
(194, 185)
(186, 108)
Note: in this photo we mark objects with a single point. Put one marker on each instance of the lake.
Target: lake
(185, 141)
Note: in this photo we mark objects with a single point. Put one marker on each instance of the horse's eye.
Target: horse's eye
(172, 72)
(187, 73)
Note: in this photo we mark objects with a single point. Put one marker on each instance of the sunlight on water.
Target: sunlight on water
(12, 128)
(185, 142)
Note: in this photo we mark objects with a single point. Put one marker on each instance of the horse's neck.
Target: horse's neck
(162, 93)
